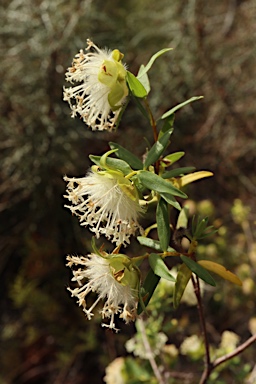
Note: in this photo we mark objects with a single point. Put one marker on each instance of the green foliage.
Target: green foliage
(159, 267)
(214, 56)
(163, 223)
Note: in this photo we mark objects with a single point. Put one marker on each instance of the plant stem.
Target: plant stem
(208, 364)
(149, 352)
(152, 120)
(236, 352)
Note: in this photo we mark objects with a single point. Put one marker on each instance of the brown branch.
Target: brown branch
(236, 352)
(208, 364)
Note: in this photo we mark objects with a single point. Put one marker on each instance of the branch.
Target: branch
(236, 352)
(149, 352)
(208, 364)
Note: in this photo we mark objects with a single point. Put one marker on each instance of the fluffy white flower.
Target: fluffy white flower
(102, 90)
(101, 203)
(115, 279)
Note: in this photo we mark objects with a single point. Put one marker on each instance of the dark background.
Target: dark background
(44, 335)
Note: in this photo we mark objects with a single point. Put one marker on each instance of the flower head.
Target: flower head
(102, 91)
(114, 278)
(106, 202)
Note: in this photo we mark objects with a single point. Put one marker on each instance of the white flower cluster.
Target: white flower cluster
(102, 90)
(100, 203)
(102, 278)
(104, 200)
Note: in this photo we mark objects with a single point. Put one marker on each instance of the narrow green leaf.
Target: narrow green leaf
(201, 226)
(174, 109)
(157, 149)
(173, 157)
(148, 287)
(177, 172)
(144, 79)
(182, 221)
(135, 86)
(151, 61)
(127, 156)
(168, 123)
(156, 183)
(113, 163)
(220, 270)
(182, 279)
(163, 223)
(158, 266)
(170, 200)
(155, 244)
(198, 270)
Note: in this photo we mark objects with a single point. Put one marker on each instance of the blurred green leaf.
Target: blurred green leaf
(168, 124)
(135, 86)
(158, 266)
(174, 109)
(198, 270)
(220, 270)
(157, 149)
(155, 244)
(144, 78)
(173, 157)
(170, 200)
(116, 164)
(151, 61)
(177, 172)
(163, 223)
(182, 279)
(182, 221)
(148, 287)
(127, 156)
(156, 183)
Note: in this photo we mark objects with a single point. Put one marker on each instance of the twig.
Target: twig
(236, 352)
(208, 364)
(149, 352)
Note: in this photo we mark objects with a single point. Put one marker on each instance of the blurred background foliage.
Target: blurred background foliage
(44, 336)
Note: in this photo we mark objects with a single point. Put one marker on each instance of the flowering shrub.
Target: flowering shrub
(116, 194)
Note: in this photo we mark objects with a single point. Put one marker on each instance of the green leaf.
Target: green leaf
(144, 79)
(200, 229)
(135, 86)
(163, 223)
(168, 123)
(174, 109)
(157, 149)
(144, 70)
(155, 244)
(177, 172)
(113, 163)
(182, 221)
(173, 157)
(182, 279)
(170, 200)
(198, 270)
(156, 183)
(158, 266)
(220, 270)
(127, 156)
(148, 287)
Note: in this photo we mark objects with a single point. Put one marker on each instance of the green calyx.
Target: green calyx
(124, 183)
(125, 272)
(113, 75)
